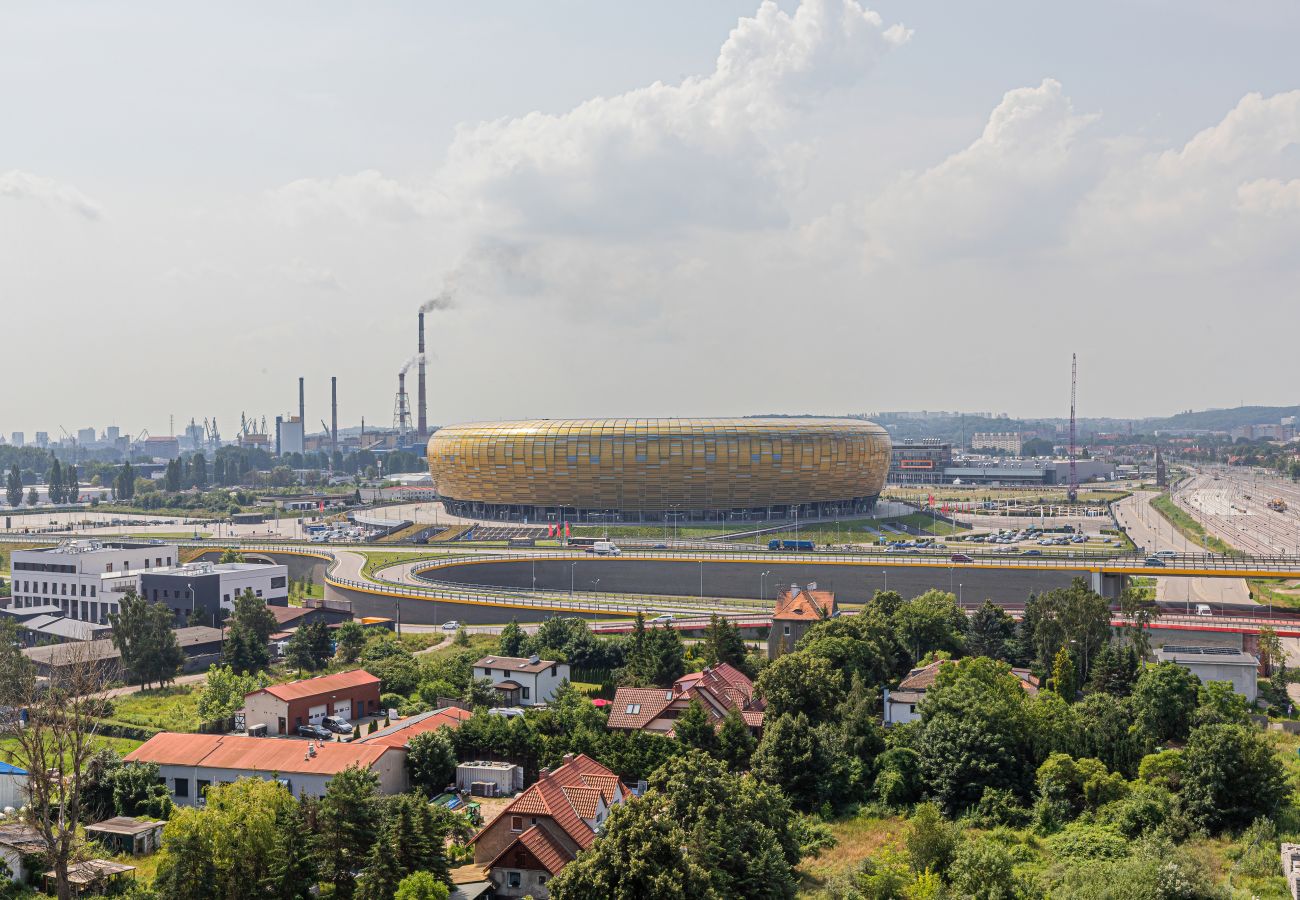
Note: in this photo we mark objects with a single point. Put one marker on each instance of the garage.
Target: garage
(316, 713)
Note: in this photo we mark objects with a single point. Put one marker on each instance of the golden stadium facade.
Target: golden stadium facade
(659, 469)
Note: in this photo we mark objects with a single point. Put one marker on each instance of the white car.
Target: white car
(665, 619)
(451, 625)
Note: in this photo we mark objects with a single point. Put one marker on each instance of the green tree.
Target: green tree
(735, 741)
(1063, 675)
(14, 487)
(991, 631)
(431, 760)
(32, 497)
(54, 480)
(722, 643)
(801, 682)
(1114, 670)
(512, 639)
(224, 691)
(231, 555)
(984, 869)
(1270, 650)
(974, 733)
(694, 729)
(348, 825)
(1164, 699)
(1140, 611)
(1107, 730)
(293, 872)
(421, 886)
(251, 624)
(792, 756)
(71, 486)
(932, 621)
(16, 670)
(142, 633)
(656, 656)
(1232, 777)
(350, 637)
(226, 849)
(199, 470)
(138, 791)
(1067, 617)
(309, 648)
(931, 842)
(1218, 704)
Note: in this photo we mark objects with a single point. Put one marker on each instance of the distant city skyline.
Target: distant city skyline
(673, 209)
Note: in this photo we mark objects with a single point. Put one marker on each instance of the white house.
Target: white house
(522, 682)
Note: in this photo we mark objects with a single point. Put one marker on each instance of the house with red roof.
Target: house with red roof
(189, 764)
(719, 689)
(901, 702)
(282, 708)
(797, 610)
(546, 826)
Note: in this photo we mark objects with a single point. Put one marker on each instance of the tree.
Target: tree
(348, 825)
(984, 869)
(1219, 704)
(792, 756)
(139, 791)
(421, 886)
(735, 741)
(14, 487)
(932, 621)
(931, 842)
(800, 682)
(512, 639)
(55, 481)
(32, 497)
(143, 634)
(431, 760)
(55, 746)
(229, 843)
(1067, 617)
(655, 656)
(1140, 611)
(251, 625)
(722, 643)
(16, 670)
(698, 832)
(1271, 653)
(1063, 675)
(1107, 731)
(1164, 699)
(71, 486)
(224, 691)
(974, 733)
(309, 649)
(1231, 778)
(1114, 670)
(350, 638)
(199, 470)
(694, 728)
(991, 631)
(231, 555)
(294, 871)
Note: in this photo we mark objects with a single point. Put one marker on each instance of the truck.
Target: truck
(789, 545)
(605, 548)
(1277, 504)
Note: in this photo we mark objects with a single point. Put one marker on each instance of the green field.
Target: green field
(1189, 528)
(1284, 592)
(168, 709)
(684, 531)
(123, 746)
(378, 559)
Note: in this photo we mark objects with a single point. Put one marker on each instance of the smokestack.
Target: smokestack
(334, 414)
(421, 409)
(302, 407)
(279, 421)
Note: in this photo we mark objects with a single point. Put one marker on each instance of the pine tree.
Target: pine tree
(293, 872)
(1063, 675)
(348, 824)
(735, 742)
(14, 487)
(55, 480)
(32, 497)
(71, 487)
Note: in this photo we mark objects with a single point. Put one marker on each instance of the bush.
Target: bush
(931, 842)
(984, 870)
(1089, 842)
(1144, 810)
(998, 806)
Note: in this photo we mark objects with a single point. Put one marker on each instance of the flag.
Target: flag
(931, 499)
(566, 529)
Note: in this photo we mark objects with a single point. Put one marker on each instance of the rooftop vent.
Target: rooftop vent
(534, 659)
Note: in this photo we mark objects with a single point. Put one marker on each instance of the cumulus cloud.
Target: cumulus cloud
(708, 152)
(1006, 190)
(21, 185)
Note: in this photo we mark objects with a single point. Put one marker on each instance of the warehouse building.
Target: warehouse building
(282, 708)
(205, 591)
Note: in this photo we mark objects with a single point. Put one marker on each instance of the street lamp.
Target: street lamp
(762, 586)
(572, 566)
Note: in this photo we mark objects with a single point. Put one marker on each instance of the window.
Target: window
(182, 787)
(158, 561)
(633, 709)
(202, 786)
(83, 590)
(516, 823)
(541, 879)
(787, 630)
(259, 593)
(553, 668)
(514, 879)
(525, 694)
(278, 581)
(92, 590)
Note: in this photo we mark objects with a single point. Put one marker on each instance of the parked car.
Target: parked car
(451, 625)
(1203, 609)
(314, 731)
(337, 724)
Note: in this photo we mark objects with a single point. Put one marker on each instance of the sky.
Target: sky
(676, 208)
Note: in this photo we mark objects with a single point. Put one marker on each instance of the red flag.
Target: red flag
(566, 529)
(931, 499)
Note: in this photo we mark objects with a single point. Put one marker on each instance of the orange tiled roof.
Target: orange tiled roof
(583, 799)
(400, 733)
(552, 795)
(324, 684)
(803, 605)
(237, 751)
(638, 707)
(541, 843)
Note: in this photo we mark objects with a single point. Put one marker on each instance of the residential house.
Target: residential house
(719, 689)
(18, 843)
(190, 763)
(546, 826)
(797, 610)
(522, 682)
(282, 708)
(13, 786)
(901, 702)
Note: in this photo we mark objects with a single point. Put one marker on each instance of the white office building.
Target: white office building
(84, 578)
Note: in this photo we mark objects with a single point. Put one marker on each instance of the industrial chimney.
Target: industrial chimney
(302, 406)
(334, 414)
(422, 419)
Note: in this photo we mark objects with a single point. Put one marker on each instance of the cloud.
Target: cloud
(710, 152)
(1005, 191)
(368, 197)
(318, 277)
(21, 185)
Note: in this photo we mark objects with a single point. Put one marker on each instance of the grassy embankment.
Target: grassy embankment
(1189, 528)
(1284, 592)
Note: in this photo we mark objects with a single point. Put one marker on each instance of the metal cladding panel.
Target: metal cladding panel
(660, 464)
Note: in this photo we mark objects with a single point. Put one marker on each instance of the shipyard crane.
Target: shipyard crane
(1074, 470)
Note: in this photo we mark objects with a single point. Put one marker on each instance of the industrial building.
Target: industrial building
(83, 578)
(283, 708)
(617, 470)
(202, 591)
(919, 462)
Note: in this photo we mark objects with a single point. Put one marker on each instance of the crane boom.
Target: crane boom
(1074, 472)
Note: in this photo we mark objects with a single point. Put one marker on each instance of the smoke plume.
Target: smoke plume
(444, 300)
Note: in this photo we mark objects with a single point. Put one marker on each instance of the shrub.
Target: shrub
(1089, 842)
(931, 842)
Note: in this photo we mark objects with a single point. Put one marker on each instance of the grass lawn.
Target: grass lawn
(1189, 527)
(167, 535)
(479, 643)
(377, 559)
(123, 746)
(856, 839)
(416, 641)
(929, 523)
(170, 708)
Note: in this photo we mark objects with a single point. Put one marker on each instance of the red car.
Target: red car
(961, 557)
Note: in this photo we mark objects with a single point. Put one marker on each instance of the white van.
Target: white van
(605, 548)
(1203, 609)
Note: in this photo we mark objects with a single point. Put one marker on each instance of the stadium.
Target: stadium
(658, 470)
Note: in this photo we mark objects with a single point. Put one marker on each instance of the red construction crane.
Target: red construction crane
(1074, 472)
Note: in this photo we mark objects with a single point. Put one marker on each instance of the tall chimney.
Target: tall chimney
(334, 414)
(422, 420)
(302, 407)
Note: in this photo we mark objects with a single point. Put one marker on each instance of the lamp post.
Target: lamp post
(572, 566)
(762, 586)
